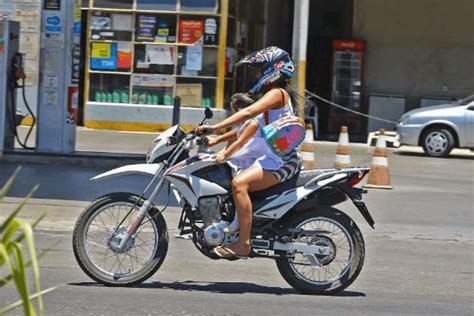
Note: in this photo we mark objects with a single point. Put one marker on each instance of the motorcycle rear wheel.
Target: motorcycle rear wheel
(338, 269)
(100, 260)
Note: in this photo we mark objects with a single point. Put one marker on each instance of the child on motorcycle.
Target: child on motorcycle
(237, 139)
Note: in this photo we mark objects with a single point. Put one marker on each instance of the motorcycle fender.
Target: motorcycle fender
(355, 194)
(142, 169)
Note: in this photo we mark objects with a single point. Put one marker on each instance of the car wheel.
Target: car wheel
(438, 142)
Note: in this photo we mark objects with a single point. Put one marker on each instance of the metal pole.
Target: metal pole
(300, 41)
(176, 106)
(219, 103)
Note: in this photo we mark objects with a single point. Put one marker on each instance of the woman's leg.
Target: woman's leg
(251, 179)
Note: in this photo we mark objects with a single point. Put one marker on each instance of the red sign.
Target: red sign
(348, 45)
(191, 31)
(73, 103)
(124, 58)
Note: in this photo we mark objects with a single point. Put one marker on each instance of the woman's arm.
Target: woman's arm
(227, 136)
(248, 133)
(271, 99)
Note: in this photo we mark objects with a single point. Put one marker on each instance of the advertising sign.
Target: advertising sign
(191, 31)
(190, 94)
(104, 56)
(52, 5)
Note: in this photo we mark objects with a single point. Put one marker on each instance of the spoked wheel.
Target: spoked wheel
(97, 235)
(337, 266)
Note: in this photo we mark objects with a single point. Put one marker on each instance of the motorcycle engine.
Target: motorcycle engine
(215, 219)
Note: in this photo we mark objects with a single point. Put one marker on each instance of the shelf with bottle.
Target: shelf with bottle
(109, 87)
(152, 95)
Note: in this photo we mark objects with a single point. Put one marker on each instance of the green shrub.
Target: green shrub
(16, 242)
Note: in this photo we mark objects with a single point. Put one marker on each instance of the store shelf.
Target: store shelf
(108, 41)
(141, 50)
(153, 11)
(197, 77)
(163, 44)
(109, 72)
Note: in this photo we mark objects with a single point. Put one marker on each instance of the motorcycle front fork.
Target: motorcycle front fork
(138, 219)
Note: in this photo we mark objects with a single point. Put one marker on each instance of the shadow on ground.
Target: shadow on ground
(419, 154)
(221, 288)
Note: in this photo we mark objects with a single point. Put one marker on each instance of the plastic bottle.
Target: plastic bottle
(149, 99)
(155, 99)
(124, 96)
(167, 100)
(116, 96)
(142, 98)
(135, 95)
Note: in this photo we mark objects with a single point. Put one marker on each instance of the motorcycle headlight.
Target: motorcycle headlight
(150, 149)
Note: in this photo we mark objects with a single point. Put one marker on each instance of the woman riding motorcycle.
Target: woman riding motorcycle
(274, 69)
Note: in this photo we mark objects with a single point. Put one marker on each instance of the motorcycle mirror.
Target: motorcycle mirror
(208, 113)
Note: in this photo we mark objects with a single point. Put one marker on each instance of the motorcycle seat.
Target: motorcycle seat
(303, 177)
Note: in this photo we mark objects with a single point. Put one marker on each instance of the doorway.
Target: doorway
(328, 20)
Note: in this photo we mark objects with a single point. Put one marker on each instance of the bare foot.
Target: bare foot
(239, 250)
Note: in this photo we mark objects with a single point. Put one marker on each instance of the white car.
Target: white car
(439, 129)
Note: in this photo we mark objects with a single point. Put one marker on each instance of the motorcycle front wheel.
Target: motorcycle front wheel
(98, 231)
(336, 269)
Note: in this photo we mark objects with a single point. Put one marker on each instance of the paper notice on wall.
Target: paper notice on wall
(241, 32)
(50, 98)
(194, 58)
(160, 55)
(6, 15)
(159, 81)
(101, 50)
(124, 55)
(121, 22)
(51, 61)
(29, 44)
(29, 17)
(31, 72)
(230, 57)
(190, 94)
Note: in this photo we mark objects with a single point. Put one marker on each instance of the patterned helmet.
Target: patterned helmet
(274, 63)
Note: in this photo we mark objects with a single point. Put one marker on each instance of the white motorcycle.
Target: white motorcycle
(121, 239)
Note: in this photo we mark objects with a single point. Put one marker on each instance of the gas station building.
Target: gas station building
(119, 64)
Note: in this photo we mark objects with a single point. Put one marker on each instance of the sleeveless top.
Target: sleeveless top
(256, 150)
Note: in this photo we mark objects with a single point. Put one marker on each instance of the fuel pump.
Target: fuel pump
(17, 81)
(9, 43)
(12, 77)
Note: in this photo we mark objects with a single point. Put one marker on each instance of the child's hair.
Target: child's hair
(240, 101)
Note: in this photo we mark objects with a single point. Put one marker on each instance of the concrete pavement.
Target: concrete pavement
(419, 259)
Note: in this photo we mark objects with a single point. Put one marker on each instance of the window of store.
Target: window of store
(146, 52)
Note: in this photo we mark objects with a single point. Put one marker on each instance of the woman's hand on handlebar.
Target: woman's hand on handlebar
(204, 130)
(212, 141)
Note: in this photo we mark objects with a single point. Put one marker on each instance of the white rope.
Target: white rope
(347, 109)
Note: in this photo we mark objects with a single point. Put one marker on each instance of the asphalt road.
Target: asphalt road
(419, 259)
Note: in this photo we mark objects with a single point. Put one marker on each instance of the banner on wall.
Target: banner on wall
(104, 56)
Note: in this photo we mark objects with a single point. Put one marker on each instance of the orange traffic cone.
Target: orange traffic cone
(307, 151)
(343, 159)
(379, 176)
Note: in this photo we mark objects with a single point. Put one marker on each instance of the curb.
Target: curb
(85, 159)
